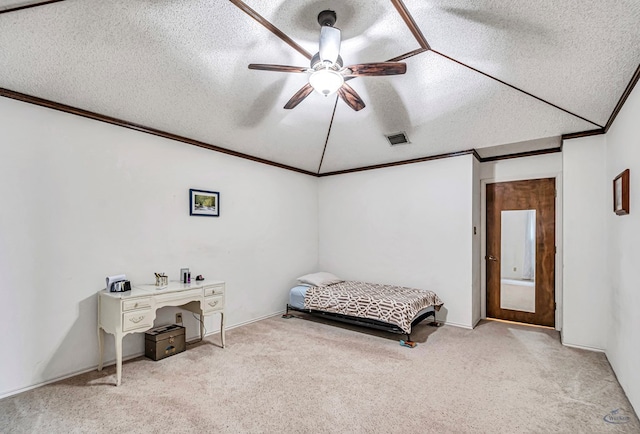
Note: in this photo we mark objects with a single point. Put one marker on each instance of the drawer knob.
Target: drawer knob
(136, 320)
(213, 303)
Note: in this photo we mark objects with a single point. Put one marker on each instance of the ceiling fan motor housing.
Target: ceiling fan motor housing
(327, 18)
(316, 63)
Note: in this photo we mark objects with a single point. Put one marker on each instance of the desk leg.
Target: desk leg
(201, 325)
(222, 328)
(100, 347)
(118, 339)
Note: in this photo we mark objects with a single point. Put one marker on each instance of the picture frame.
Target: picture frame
(204, 203)
(621, 193)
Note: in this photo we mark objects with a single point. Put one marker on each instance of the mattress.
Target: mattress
(298, 293)
(296, 296)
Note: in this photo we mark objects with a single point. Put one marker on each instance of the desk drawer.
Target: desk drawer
(179, 297)
(137, 319)
(137, 303)
(213, 290)
(213, 303)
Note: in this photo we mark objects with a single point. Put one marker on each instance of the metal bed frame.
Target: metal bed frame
(365, 322)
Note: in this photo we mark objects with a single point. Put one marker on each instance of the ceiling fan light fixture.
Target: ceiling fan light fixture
(326, 81)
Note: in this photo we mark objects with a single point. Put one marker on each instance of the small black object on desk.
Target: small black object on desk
(199, 277)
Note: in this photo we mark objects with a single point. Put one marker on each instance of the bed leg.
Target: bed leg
(408, 343)
(287, 315)
(433, 322)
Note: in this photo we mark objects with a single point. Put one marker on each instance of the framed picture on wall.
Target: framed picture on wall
(621, 193)
(204, 203)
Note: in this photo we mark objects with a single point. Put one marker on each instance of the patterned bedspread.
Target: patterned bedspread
(392, 304)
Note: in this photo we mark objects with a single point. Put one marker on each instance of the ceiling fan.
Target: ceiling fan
(327, 74)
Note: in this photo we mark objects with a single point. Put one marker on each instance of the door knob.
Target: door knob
(492, 258)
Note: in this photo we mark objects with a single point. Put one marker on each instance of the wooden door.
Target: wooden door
(538, 195)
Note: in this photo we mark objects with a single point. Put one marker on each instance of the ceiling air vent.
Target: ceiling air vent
(397, 139)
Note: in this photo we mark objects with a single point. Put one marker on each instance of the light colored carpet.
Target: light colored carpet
(296, 375)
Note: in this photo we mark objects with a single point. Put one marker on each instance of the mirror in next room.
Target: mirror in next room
(518, 260)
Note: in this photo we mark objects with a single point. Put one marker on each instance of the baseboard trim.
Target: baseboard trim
(65, 376)
(583, 347)
(139, 354)
(455, 324)
(440, 322)
(124, 359)
(269, 315)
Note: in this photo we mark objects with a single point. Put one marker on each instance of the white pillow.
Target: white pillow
(320, 278)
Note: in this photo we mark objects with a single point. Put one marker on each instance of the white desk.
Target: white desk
(121, 313)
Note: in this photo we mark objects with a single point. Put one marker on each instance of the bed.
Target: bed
(384, 307)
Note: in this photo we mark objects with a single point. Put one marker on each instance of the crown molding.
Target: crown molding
(623, 98)
(138, 127)
(29, 6)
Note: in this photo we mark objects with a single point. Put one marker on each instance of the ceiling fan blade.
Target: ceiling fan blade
(277, 68)
(380, 68)
(329, 44)
(299, 96)
(351, 97)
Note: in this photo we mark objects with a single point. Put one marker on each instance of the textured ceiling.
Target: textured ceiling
(501, 75)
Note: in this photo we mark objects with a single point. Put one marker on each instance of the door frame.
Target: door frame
(558, 239)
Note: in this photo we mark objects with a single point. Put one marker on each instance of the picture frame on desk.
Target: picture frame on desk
(204, 203)
(621, 193)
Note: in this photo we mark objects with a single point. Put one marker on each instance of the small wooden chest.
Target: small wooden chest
(165, 341)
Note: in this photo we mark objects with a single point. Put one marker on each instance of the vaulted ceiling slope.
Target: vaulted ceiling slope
(492, 75)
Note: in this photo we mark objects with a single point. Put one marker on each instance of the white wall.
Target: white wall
(410, 225)
(586, 292)
(476, 299)
(83, 199)
(536, 167)
(514, 169)
(623, 339)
